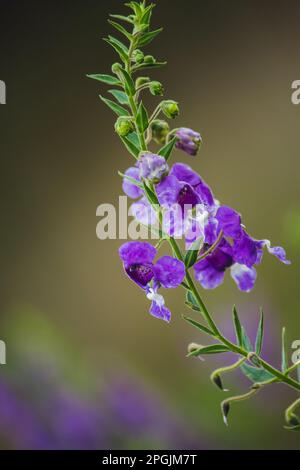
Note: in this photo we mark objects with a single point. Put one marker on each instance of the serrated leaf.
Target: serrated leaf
(120, 96)
(284, 358)
(135, 151)
(146, 38)
(108, 79)
(121, 29)
(213, 349)
(142, 118)
(256, 375)
(237, 326)
(127, 19)
(129, 83)
(200, 327)
(118, 49)
(260, 335)
(246, 343)
(120, 44)
(167, 149)
(119, 110)
(151, 195)
(131, 180)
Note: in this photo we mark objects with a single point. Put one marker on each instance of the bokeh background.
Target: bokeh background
(87, 367)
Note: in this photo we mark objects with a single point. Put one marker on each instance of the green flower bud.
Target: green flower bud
(138, 56)
(156, 88)
(141, 81)
(149, 59)
(160, 129)
(124, 126)
(116, 68)
(170, 109)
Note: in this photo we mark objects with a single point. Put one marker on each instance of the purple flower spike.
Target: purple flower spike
(152, 167)
(189, 141)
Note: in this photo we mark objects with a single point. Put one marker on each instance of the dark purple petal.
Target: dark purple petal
(210, 231)
(244, 277)
(169, 272)
(229, 222)
(133, 253)
(141, 274)
(184, 173)
(129, 188)
(246, 251)
(205, 194)
(168, 190)
(187, 198)
(208, 276)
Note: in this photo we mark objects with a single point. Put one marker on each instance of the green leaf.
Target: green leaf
(190, 298)
(120, 96)
(119, 110)
(127, 19)
(197, 325)
(260, 334)
(146, 16)
(256, 375)
(119, 44)
(135, 151)
(132, 180)
(121, 29)
(136, 7)
(146, 38)
(118, 49)
(193, 307)
(213, 349)
(284, 358)
(151, 195)
(167, 149)
(237, 326)
(109, 79)
(142, 118)
(246, 343)
(149, 66)
(129, 83)
(133, 137)
(192, 255)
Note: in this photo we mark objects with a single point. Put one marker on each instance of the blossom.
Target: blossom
(236, 250)
(188, 140)
(152, 167)
(167, 272)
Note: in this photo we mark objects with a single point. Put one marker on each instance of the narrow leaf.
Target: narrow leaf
(127, 19)
(213, 349)
(200, 327)
(151, 195)
(237, 326)
(284, 358)
(119, 110)
(121, 29)
(260, 334)
(109, 79)
(131, 147)
(129, 83)
(120, 96)
(134, 139)
(191, 306)
(192, 255)
(146, 16)
(142, 118)
(132, 180)
(118, 49)
(246, 343)
(148, 37)
(166, 151)
(149, 66)
(256, 375)
(192, 300)
(120, 44)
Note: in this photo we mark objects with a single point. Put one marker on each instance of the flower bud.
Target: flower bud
(170, 108)
(116, 68)
(152, 167)
(149, 59)
(138, 56)
(141, 81)
(156, 88)
(124, 126)
(160, 129)
(188, 140)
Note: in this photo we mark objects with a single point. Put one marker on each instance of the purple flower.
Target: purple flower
(167, 272)
(240, 253)
(189, 141)
(131, 190)
(152, 167)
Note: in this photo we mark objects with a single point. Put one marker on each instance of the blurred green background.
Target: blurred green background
(64, 298)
